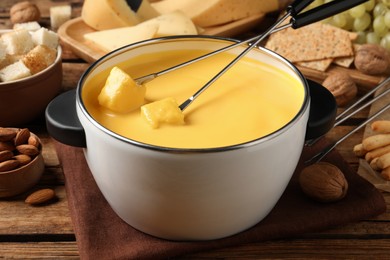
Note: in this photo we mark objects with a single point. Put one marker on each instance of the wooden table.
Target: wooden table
(46, 232)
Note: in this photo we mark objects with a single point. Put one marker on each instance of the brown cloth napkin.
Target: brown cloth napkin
(101, 234)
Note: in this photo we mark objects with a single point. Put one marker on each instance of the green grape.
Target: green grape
(339, 20)
(379, 9)
(372, 37)
(328, 20)
(361, 38)
(369, 5)
(385, 41)
(349, 21)
(386, 2)
(387, 19)
(361, 24)
(379, 26)
(357, 11)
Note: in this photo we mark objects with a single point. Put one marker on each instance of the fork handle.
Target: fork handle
(323, 11)
(297, 6)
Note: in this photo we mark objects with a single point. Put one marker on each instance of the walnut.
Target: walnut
(323, 182)
(372, 59)
(23, 12)
(342, 86)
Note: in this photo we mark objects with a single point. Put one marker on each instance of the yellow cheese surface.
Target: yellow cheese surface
(249, 101)
(110, 14)
(100, 16)
(122, 9)
(216, 12)
(174, 23)
(109, 40)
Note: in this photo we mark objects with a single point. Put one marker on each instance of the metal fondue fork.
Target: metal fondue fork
(319, 156)
(342, 116)
(297, 21)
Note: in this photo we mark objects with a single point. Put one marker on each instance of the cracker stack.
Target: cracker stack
(314, 46)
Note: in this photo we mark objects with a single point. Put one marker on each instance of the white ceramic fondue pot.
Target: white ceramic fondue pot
(187, 194)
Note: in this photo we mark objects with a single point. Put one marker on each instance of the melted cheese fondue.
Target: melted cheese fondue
(249, 101)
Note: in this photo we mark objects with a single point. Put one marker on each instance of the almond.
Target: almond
(6, 155)
(27, 149)
(8, 165)
(33, 140)
(23, 159)
(6, 146)
(22, 136)
(40, 196)
(7, 134)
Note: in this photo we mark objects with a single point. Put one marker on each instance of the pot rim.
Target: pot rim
(121, 50)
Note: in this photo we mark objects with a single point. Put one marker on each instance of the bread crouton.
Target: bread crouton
(18, 42)
(14, 71)
(46, 37)
(3, 51)
(59, 15)
(29, 26)
(39, 58)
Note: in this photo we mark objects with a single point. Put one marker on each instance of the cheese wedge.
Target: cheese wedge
(109, 40)
(216, 12)
(142, 8)
(174, 23)
(100, 16)
(110, 14)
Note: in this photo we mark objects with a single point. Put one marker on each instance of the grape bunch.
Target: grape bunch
(370, 20)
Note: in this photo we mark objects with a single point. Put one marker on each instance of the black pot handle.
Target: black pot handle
(323, 109)
(62, 121)
(63, 124)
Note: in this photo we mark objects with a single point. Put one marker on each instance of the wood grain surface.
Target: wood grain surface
(46, 232)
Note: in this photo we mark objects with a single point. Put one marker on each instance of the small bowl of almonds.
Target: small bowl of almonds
(21, 161)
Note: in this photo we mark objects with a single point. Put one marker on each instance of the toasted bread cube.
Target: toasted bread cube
(4, 63)
(14, 71)
(46, 37)
(9, 59)
(59, 15)
(29, 26)
(3, 51)
(39, 58)
(18, 42)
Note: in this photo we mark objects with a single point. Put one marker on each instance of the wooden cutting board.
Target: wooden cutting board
(72, 33)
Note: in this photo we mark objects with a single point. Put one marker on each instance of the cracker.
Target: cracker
(344, 62)
(313, 42)
(321, 65)
(347, 61)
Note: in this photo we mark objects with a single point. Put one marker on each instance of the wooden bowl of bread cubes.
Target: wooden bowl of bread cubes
(30, 73)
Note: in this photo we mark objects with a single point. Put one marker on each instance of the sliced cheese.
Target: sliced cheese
(174, 23)
(142, 8)
(109, 40)
(215, 12)
(100, 16)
